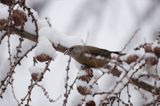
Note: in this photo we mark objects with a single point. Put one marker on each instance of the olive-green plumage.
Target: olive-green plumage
(90, 56)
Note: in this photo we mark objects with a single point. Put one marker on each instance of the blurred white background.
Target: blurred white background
(107, 24)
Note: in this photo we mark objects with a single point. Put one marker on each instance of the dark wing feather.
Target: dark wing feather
(97, 51)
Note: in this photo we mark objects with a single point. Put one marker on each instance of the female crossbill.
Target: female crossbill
(90, 56)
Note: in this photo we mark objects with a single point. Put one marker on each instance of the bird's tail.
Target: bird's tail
(119, 53)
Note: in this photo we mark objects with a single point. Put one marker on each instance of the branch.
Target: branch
(145, 86)
(61, 48)
(31, 37)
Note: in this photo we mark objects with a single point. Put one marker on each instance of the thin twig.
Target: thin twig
(47, 95)
(33, 84)
(134, 34)
(14, 95)
(66, 82)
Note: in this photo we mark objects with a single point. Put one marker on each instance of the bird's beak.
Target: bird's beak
(67, 52)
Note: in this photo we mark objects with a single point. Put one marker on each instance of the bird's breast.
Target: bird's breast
(91, 61)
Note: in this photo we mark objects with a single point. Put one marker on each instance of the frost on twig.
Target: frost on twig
(137, 70)
(44, 50)
(37, 74)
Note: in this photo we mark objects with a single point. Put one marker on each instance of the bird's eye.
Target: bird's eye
(70, 49)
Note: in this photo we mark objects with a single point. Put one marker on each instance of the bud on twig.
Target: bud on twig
(132, 58)
(157, 51)
(19, 17)
(43, 57)
(3, 22)
(148, 47)
(7, 2)
(151, 61)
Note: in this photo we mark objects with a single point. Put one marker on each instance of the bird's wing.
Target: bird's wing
(98, 52)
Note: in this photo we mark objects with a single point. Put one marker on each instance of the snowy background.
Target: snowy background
(107, 24)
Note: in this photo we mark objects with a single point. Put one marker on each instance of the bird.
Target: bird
(90, 56)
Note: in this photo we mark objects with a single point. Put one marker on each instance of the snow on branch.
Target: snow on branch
(57, 43)
(129, 69)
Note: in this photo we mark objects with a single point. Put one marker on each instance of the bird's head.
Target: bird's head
(74, 50)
